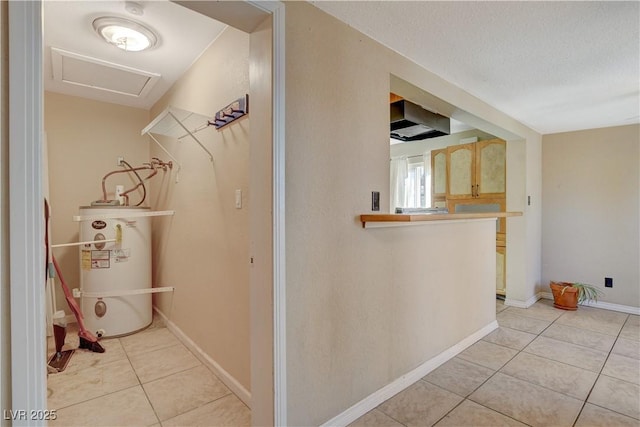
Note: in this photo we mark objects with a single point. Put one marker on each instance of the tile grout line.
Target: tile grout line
(600, 374)
(97, 397)
(521, 351)
(92, 368)
(140, 382)
(488, 378)
(484, 382)
(229, 391)
(518, 352)
(398, 421)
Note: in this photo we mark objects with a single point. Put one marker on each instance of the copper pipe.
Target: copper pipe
(153, 166)
(152, 174)
(104, 188)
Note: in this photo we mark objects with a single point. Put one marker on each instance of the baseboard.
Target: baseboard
(601, 304)
(228, 380)
(522, 304)
(373, 400)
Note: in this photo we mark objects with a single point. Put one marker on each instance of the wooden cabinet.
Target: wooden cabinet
(476, 170)
(481, 205)
(461, 168)
(501, 270)
(491, 168)
(472, 178)
(438, 177)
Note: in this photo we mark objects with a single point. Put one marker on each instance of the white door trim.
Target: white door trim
(277, 10)
(26, 238)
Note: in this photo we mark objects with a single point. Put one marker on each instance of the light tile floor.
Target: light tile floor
(144, 379)
(541, 367)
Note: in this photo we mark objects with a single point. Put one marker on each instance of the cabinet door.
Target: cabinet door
(491, 164)
(438, 175)
(460, 171)
(501, 269)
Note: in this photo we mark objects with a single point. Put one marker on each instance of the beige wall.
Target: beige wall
(85, 139)
(362, 307)
(204, 249)
(5, 319)
(591, 218)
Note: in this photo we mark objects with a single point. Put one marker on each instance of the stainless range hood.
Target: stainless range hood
(411, 122)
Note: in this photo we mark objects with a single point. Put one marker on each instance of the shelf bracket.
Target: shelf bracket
(192, 135)
(176, 123)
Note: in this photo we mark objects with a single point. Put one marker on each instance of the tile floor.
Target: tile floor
(145, 379)
(541, 367)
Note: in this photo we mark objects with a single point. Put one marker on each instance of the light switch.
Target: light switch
(375, 200)
(238, 199)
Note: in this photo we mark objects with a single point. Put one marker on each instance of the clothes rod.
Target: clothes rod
(108, 294)
(62, 245)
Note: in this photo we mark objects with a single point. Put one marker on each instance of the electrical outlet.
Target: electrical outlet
(608, 282)
(120, 159)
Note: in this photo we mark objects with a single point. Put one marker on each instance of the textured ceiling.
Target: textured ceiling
(183, 36)
(554, 66)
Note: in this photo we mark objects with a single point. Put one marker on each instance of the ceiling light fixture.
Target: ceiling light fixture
(125, 34)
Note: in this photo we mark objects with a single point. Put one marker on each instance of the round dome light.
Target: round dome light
(125, 34)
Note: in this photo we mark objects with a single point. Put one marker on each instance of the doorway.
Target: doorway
(28, 354)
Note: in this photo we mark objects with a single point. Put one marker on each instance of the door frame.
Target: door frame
(28, 331)
(26, 220)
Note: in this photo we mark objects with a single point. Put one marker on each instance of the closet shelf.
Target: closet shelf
(177, 123)
(128, 215)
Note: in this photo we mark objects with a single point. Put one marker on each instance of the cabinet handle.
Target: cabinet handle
(472, 193)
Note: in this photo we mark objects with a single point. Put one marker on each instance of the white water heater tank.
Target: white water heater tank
(122, 266)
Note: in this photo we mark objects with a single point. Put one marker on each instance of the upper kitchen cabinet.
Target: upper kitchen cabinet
(491, 168)
(439, 177)
(476, 170)
(461, 169)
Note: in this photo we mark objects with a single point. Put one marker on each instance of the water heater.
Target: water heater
(115, 273)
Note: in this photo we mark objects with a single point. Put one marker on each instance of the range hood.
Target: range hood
(411, 122)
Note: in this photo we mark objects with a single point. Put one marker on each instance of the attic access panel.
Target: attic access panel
(81, 70)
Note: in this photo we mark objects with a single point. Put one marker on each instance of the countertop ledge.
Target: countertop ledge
(413, 218)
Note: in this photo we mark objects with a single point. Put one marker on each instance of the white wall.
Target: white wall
(355, 318)
(591, 215)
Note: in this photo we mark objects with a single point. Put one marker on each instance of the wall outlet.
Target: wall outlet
(120, 159)
(608, 282)
(375, 200)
